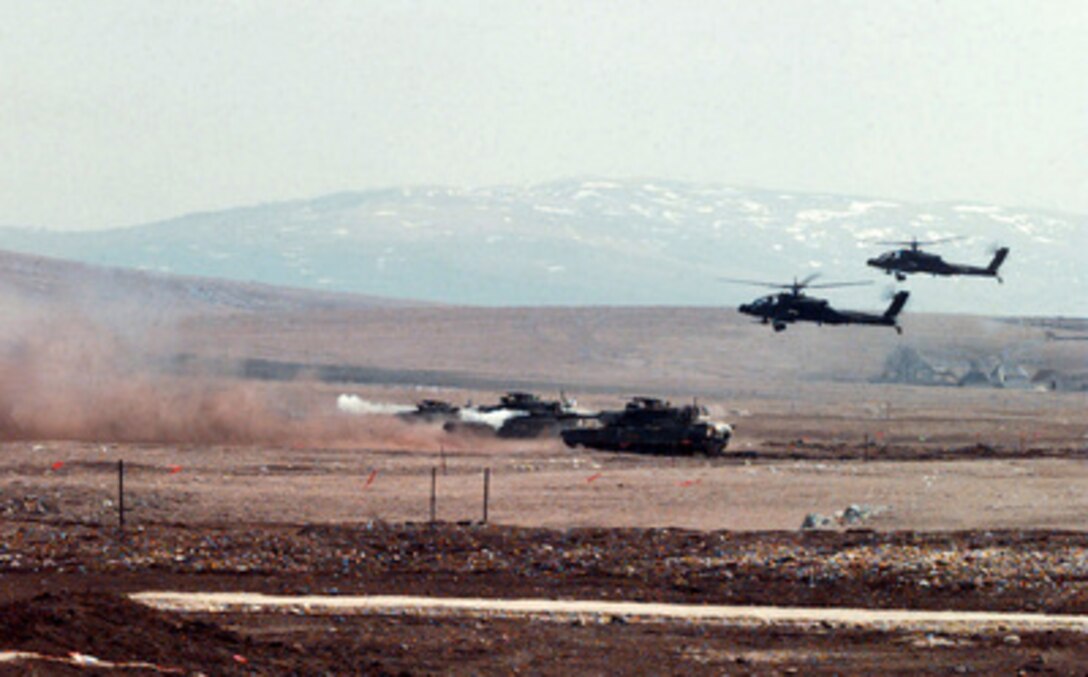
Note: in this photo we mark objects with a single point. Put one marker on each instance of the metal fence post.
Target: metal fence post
(434, 487)
(487, 491)
(121, 496)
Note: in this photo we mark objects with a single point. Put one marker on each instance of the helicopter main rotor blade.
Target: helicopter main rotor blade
(939, 240)
(757, 283)
(830, 285)
(917, 243)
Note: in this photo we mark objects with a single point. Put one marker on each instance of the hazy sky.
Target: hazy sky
(115, 113)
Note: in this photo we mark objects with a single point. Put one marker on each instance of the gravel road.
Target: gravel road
(945, 621)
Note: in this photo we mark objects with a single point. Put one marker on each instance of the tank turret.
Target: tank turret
(431, 411)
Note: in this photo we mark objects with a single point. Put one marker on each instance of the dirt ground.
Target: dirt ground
(241, 475)
(62, 585)
(977, 516)
(275, 644)
(775, 474)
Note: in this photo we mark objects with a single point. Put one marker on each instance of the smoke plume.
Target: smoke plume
(66, 374)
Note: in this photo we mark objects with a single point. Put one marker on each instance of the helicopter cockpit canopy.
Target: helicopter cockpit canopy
(763, 303)
(761, 307)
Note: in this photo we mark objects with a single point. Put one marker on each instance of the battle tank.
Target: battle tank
(518, 415)
(431, 411)
(541, 418)
(652, 426)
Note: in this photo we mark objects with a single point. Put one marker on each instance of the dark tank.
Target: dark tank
(536, 417)
(431, 411)
(652, 426)
(518, 415)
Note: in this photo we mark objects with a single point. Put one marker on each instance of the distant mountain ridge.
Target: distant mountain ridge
(598, 242)
(89, 288)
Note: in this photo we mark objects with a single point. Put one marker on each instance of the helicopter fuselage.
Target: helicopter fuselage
(780, 310)
(905, 262)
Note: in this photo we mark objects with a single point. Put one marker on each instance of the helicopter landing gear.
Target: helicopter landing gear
(780, 326)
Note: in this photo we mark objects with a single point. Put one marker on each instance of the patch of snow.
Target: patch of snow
(667, 197)
(753, 207)
(867, 236)
(859, 207)
(855, 208)
(818, 215)
(553, 210)
(976, 209)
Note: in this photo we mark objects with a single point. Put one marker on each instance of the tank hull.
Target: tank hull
(697, 440)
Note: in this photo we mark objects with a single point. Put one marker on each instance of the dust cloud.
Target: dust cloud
(76, 372)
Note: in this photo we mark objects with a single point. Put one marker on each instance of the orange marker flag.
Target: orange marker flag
(57, 465)
(371, 478)
(174, 469)
(593, 478)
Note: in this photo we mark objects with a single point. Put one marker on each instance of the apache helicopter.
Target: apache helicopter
(913, 260)
(787, 307)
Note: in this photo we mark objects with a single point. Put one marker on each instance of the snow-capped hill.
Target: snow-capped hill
(600, 241)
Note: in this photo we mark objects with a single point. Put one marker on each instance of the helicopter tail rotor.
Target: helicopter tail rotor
(898, 301)
(995, 264)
